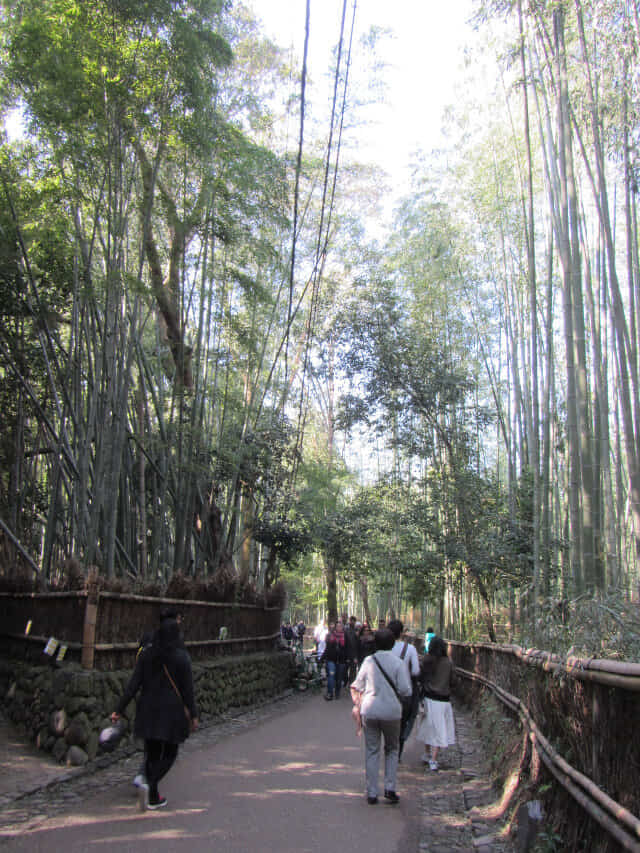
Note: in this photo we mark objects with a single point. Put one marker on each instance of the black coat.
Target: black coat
(366, 646)
(351, 643)
(334, 651)
(160, 713)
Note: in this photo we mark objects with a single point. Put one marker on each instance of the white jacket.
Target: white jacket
(411, 657)
(379, 700)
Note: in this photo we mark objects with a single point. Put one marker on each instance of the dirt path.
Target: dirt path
(286, 777)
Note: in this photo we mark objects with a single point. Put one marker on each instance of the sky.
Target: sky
(424, 55)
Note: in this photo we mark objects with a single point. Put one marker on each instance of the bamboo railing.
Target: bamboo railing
(616, 819)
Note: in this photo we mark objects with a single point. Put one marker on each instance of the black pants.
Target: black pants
(409, 714)
(160, 758)
(350, 671)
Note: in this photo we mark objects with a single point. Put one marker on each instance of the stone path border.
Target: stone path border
(458, 812)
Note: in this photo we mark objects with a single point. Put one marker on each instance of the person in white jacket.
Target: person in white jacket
(379, 687)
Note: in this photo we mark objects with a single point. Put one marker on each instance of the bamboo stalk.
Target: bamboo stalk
(74, 593)
(120, 647)
(35, 638)
(114, 647)
(185, 602)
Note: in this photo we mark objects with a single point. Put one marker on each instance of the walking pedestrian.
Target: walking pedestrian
(167, 613)
(166, 710)
(287, 634)
(350, 651)
(366, 643)
(320, 637)
(319, 634)
(145, 642)
(379, 687)
(407, 652)
(341, 669)
(333, 658)
(427, 639)
(436, 729)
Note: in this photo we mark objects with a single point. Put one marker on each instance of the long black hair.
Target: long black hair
(438, 647)
(166, 640)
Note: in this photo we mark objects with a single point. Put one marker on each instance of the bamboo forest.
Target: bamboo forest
(232, 369)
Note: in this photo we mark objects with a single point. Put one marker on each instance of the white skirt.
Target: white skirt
(435, 726)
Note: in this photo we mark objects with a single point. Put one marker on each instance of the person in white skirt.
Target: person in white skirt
(436, 728)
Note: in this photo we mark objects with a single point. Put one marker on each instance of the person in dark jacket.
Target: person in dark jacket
(350, 651)
(366, 643)
(145, 641)
(166, 613)
(334, 659)
(163, 677)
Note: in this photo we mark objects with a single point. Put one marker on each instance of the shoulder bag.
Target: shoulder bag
(404, 703)
(187, 713)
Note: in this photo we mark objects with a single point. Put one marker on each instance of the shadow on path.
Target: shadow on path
(291, 782)
(285, 777)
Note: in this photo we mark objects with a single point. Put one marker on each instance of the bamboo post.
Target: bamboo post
(90, 620)
(596, 733)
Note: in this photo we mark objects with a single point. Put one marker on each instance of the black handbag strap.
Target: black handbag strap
(381, 668)
(173, 684)
(187, 712)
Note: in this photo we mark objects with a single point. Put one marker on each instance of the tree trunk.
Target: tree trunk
(331, 578)
(534, 438)
(569, 257)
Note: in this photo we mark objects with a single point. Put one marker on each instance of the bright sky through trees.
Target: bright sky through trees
(422, 53)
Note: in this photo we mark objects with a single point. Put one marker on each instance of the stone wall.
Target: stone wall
(63, 709)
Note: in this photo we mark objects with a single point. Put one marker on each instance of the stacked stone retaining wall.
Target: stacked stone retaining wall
(63, 709)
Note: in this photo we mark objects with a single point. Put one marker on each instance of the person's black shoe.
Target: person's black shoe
(391, 796)
(328, 697)
(372, 800)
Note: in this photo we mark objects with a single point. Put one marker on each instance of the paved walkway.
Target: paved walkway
(287, 776)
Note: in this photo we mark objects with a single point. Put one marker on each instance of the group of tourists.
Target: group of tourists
(392, 688)
(342, 646)
(389, 684)
(293, 634)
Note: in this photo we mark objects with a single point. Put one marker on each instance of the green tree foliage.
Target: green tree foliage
(183, 378)
(150, 298)
(411, 357)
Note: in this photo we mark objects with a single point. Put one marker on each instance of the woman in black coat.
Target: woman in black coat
(163, 677)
